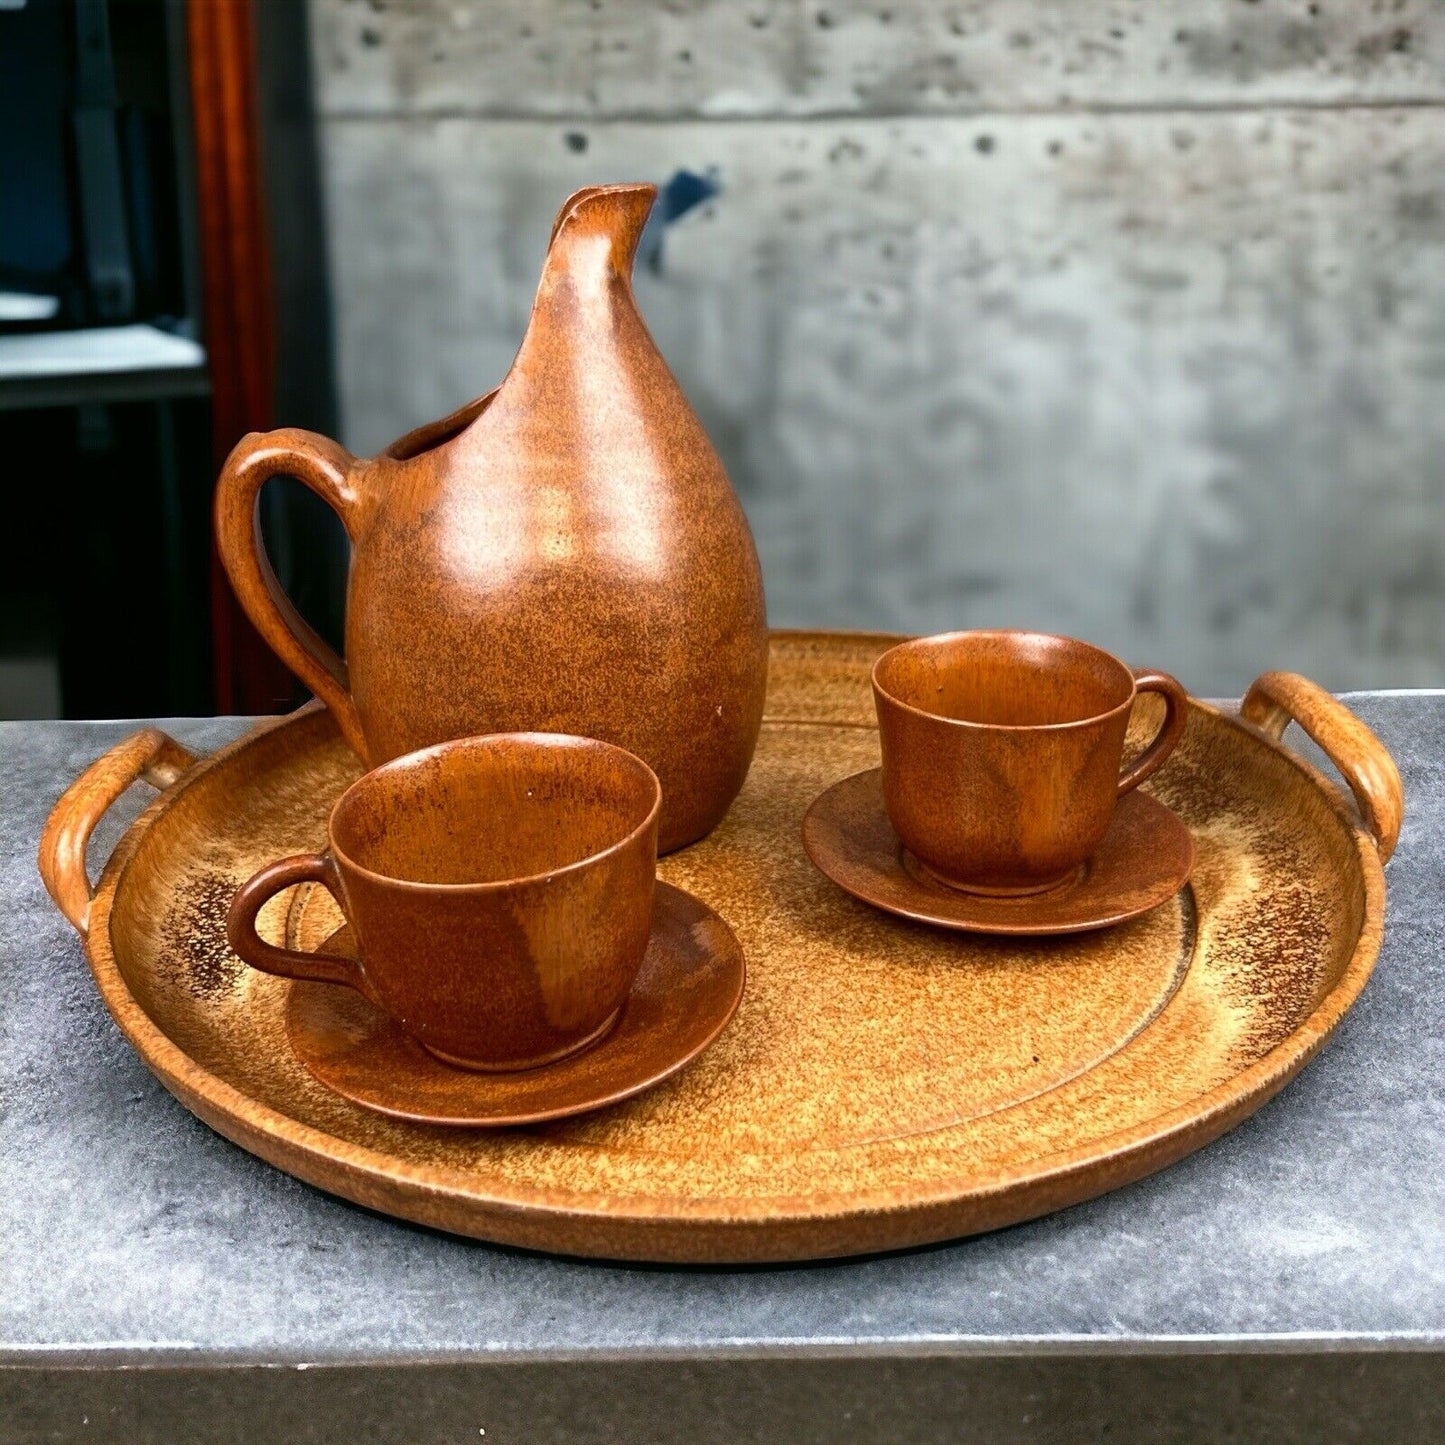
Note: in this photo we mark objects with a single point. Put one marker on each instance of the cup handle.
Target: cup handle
(1176, 714)
(251, 948)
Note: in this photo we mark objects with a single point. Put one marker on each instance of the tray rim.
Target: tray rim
(780, 1228)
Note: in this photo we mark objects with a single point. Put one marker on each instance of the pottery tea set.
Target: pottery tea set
(556, 785)
(556, 663)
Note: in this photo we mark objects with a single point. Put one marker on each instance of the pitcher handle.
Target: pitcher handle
(1278, 698)
(329, 470)
(149, 755)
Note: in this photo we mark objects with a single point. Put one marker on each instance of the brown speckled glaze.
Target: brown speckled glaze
(686, 991)
(563, 555)
(499, 889)
(1002, 752)
(1142, 861)
(882, 1084)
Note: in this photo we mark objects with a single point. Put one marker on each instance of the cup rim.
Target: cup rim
(557, 741)
(1092, 720)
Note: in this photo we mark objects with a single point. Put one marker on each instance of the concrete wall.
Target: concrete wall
(1118, 317)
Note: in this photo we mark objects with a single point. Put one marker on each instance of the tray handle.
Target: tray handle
(1278, 698)
(149, 755)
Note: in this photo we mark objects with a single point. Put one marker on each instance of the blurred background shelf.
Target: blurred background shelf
(150, 314)
(109, 364)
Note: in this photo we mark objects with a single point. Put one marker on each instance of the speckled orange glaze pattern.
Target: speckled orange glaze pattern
(882, 1084)
(565, 554)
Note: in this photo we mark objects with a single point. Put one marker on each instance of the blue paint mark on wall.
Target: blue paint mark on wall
(683, 193)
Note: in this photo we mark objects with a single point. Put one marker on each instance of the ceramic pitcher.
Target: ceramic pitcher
(564, 554)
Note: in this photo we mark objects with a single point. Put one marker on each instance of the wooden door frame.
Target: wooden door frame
(238, 307)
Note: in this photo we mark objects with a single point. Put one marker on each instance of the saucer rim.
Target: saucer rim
(999, 929)
(518, 1118)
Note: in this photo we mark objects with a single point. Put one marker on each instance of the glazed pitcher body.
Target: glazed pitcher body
(563, 555)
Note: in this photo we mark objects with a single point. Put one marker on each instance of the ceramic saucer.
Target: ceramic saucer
(1145, 859)
(689, 986)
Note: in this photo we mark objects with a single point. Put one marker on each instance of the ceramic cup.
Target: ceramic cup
(499, 890)
(1002, 753)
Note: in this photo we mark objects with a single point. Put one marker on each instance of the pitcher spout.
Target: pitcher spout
(607, 221)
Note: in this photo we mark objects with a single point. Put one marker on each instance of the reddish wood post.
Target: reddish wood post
(238, 308)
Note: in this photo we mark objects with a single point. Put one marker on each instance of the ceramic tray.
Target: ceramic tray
(882, 1085)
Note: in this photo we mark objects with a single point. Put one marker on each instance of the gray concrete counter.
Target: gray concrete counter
(1289, 1278)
